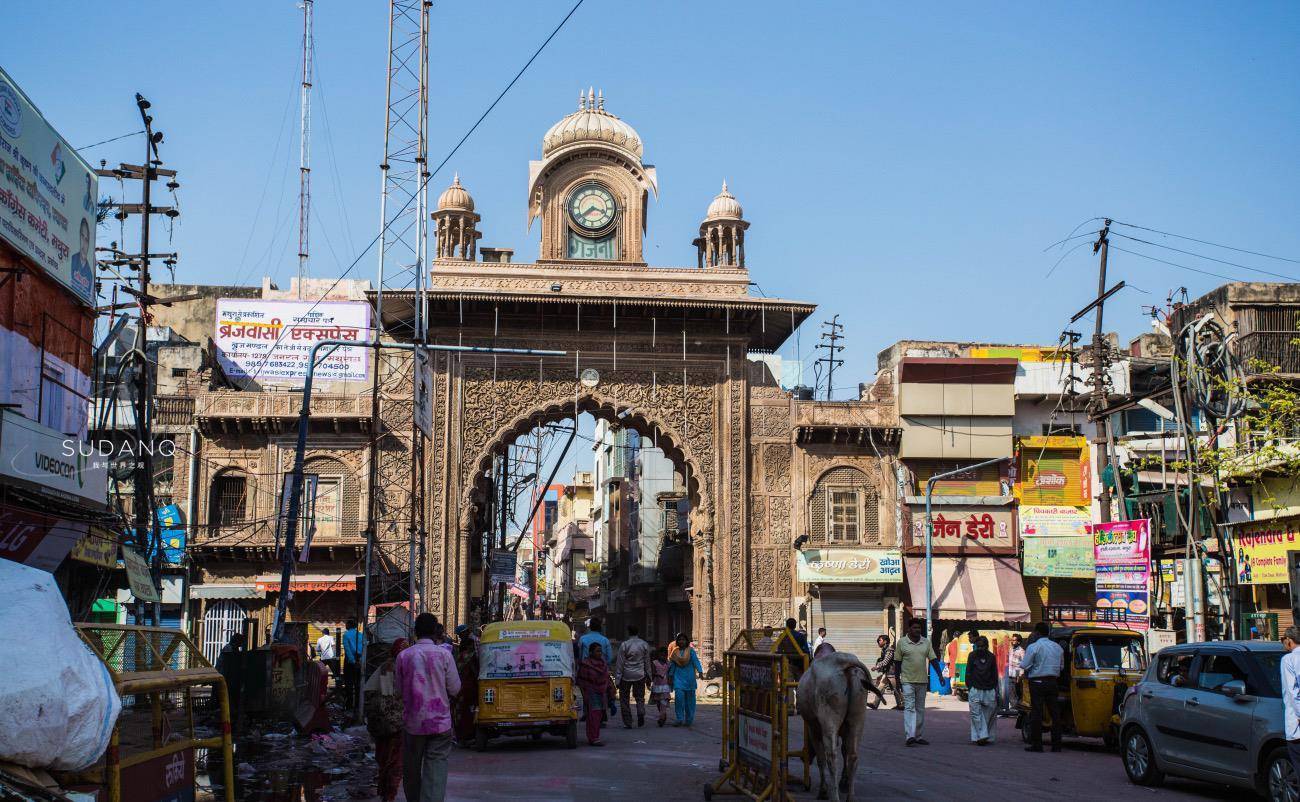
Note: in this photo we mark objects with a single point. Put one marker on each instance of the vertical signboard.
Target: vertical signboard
(1122, 550)
(48, 194)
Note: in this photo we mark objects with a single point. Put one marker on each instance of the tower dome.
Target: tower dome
(455, 197)
(591, 123)
(724, 206)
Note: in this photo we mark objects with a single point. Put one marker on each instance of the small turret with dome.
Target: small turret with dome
(458, 234)
(722, 234)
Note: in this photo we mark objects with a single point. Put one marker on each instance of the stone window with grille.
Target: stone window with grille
(844, 509)
(228, 503)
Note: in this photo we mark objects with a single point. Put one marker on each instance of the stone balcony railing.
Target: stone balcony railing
(231, 410)
(261, 534)
(845, 413)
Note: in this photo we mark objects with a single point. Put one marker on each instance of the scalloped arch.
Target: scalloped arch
(647, 423)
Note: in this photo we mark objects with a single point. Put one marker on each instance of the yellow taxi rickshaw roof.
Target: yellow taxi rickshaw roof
(500, 631)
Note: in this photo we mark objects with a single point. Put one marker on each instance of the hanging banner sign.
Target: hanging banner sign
(137, 575)
(1054, 521)
(1261, 550)
(270, 341)
(1123, 553)
(502, 566)
(1069, 557)
(48, 194)
(99, 547)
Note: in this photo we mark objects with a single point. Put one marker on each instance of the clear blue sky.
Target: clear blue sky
(904, 167)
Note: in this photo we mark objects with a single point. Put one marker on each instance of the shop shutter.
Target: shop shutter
(853, 620)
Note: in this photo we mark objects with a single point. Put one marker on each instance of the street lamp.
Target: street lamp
(929, 536)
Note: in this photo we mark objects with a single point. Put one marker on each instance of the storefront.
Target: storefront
(975, 576)
(854, 594)
(1260, 553)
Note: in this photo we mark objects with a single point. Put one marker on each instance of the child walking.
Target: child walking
(660, 691)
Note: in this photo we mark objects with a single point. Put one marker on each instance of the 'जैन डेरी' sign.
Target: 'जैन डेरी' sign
(271, 341)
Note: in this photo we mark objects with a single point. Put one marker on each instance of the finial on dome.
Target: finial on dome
(724, 186)
(455, 180)
(582, 100)
(600, 100)
(591, 98)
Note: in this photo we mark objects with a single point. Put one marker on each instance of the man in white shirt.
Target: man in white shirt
(820, 639)
(1042, 665)
(1291, 694)
(327, 653)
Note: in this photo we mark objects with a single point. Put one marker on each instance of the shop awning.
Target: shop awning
(970, 588)
(240, 591)
(308, 582)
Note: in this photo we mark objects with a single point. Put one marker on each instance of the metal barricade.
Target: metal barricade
(156, 671)
(760, 673)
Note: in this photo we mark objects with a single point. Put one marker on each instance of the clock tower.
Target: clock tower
(590, 188)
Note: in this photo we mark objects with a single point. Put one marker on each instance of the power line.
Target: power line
(1175, 264)
(1207, 258)
(1211, 244)
(428, 178)
(106, 141)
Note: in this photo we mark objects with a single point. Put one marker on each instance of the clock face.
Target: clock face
(592, 207)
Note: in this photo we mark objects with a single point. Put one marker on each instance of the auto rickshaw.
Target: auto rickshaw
(1101, 662)
(526, 682)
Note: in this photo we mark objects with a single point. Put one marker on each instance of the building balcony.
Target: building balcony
(255, 535)
(846, 422)
(232, 412)
(1262, 351)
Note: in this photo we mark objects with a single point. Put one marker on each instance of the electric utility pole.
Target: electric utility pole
(146, 522)
(1100, 379)
(830, 342)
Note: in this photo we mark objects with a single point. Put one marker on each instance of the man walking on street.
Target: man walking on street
(352, 648)
(887, 668)
(327, 653)
(426, 675)
(594, 635)
(916, 655)
(1291, 694)
(632, 670)
(1042, 665)
(982, 692)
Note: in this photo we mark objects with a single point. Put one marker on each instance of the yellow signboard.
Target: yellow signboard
(1261, 550)
(98, 547)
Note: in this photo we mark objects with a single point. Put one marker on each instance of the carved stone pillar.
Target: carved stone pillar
(704, 588)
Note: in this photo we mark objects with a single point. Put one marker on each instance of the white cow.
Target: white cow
(832, 700)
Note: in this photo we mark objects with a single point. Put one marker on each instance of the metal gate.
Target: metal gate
(853, 620)
(223, 618)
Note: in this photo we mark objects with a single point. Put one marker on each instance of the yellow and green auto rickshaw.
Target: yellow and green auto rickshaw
(1101, 662)
(526, 682)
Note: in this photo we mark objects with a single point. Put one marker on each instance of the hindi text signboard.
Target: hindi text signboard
(48, 194)
(1067, 557)
(270, 341)
(850, 565)
(1123, 553)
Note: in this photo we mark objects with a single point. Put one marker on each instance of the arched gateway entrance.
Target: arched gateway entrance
(664, 350)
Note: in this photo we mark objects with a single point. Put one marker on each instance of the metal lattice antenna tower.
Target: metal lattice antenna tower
(395, 519)
(304, 149)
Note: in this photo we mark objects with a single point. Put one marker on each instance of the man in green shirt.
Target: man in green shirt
(916, 654)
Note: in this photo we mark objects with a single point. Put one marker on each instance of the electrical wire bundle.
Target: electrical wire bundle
(1212, 371)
